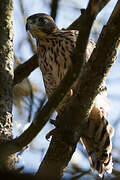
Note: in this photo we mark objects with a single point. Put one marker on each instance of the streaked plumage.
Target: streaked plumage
(54, 48)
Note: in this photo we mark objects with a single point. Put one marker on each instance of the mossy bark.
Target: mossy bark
(6, 77)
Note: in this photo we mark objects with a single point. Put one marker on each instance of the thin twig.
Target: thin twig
(54, 8)
(32, 44)
(31, 100)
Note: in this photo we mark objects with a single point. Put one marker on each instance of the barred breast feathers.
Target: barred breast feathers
(54, 57)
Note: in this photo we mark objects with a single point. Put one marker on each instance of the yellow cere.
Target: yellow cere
(29, 21)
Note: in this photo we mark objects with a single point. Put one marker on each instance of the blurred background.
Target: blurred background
(30, 94)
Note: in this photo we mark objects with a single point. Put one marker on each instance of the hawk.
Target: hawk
(54, 49)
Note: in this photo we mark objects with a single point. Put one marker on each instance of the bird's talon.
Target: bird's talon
(53, 122)
(51, 133)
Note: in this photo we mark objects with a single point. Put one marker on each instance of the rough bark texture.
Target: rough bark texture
(6, 76)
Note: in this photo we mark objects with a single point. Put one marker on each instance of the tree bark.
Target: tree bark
(6, 77)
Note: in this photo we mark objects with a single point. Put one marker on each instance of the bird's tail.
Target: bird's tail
(98, 141)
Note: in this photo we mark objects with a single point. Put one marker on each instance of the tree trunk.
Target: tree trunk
(6, 77)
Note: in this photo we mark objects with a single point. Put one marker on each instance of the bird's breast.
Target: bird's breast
(54, 64)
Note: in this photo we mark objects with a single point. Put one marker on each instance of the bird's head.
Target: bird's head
(40, 25)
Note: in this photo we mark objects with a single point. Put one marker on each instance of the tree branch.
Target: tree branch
(54, 8)
(95, 5)
(24, 70)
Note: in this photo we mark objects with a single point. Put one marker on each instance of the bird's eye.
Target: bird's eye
(42, 21)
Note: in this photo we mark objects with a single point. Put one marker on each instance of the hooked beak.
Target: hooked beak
(27, 26)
